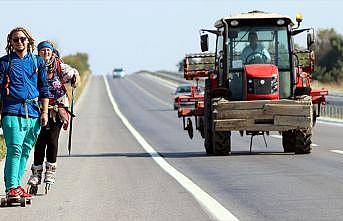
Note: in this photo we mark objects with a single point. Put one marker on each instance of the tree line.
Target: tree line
(329, 56)
(78, 61)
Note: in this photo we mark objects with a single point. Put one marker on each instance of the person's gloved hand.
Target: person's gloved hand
(64, 117)
(65, 125)
(75, 81)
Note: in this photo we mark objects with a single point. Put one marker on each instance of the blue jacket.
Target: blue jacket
(25, 84)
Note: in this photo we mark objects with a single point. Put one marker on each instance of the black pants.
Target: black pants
(48, 141)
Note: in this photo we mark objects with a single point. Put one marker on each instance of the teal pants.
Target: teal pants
(20, 136)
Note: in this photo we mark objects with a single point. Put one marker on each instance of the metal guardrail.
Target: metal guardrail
(331, 111)
(334, 110)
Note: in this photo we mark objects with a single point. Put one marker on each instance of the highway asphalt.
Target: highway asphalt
(111, 174)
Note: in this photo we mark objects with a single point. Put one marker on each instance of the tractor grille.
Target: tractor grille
(262, 85)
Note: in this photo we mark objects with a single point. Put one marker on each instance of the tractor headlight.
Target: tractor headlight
(274, 83)
(250, 85)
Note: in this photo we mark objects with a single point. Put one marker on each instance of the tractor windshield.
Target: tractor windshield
(258, 45)
(266, 44)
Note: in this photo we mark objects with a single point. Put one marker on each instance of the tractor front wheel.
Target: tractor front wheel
(303, 141)
(208, 118)
(208, 135)
(221, 143)
(288, 141)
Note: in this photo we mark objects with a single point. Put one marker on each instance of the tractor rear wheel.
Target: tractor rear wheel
(216, 142)
(303, 141)
(288, 141)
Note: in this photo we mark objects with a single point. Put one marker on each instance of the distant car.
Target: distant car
(184, 90)
(118, 73)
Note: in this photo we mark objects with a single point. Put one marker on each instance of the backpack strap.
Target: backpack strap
(6, 80)
(35, 62)
(59, 73)
(4, 87)
(8, 64)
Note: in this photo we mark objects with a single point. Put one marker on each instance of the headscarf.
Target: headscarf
(45, 44)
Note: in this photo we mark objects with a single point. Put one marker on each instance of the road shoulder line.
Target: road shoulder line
(212, 207)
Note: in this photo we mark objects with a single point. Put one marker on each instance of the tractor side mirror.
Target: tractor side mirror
(204, 42)
(310, 40)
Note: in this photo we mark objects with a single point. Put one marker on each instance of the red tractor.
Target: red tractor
(257, 81)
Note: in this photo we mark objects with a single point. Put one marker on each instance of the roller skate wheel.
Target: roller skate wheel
(33, 189)
(47, 188)
(22, 202)
(3, 202)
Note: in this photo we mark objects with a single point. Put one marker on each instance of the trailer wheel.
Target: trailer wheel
(303, 141)
(221, 143)
(288, 141)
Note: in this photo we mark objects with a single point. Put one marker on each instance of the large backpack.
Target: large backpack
(60, 76)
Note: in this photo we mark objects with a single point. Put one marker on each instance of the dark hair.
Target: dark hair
(31, 45)
(56, 52)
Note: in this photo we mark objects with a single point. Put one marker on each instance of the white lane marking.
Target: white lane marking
(314, 145)
(214, 208)
(337, 151)
(150, 94)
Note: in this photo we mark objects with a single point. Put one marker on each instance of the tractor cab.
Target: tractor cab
(255, 55)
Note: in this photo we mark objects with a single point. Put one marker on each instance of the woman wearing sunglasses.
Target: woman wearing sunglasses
(58, 74)
(23, 83)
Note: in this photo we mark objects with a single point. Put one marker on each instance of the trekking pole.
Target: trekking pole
(71, 116)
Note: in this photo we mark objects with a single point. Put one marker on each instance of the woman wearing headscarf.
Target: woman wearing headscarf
(58, 74)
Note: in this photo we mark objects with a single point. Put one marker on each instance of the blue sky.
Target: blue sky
(151, 35)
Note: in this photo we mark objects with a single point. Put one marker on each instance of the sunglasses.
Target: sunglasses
(21, 39)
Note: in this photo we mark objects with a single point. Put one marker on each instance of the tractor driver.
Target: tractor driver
(254, 53)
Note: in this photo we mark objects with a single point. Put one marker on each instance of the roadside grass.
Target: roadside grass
(2, 148)
(84, 78)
